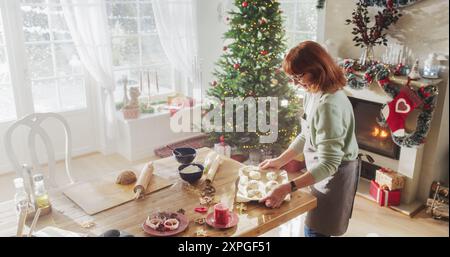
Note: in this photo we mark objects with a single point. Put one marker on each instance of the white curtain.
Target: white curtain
(88, 25)
(176, 25)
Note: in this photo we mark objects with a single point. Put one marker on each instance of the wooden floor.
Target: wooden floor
(368, 218)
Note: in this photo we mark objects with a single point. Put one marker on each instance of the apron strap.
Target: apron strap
(359, 158)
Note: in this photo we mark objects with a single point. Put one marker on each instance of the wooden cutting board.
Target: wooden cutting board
(103, 193)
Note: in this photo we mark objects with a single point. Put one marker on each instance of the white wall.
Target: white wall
(424, 28)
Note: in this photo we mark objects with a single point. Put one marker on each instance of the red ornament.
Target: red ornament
(244, 4)
(214, 83)
(389, 4)
(222, 139)
(225, 48)
(236, 66)
(263, 52)
(368, 78)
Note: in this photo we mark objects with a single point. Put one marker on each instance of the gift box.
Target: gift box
(388, 178)
(383, 196)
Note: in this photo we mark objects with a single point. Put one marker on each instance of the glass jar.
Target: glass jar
(40, 193)
(431, 67)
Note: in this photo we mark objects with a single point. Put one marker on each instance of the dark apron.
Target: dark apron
(335, 194)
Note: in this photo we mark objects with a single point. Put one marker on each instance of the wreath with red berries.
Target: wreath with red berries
(427, 95)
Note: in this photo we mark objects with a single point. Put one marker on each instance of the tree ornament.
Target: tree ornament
(214, 83)
(225, 48)
(262, 21)
(244, 4)
(263, 52)
(236, 66)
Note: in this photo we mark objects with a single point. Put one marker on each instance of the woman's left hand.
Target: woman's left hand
(275, 198)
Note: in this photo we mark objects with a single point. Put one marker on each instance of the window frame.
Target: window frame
(139, 34)
(19, 68)
(319, 33)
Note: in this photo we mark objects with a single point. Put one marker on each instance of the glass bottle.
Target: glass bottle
(21, 197)
(40, 193)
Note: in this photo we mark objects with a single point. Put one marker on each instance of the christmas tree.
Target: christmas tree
(250, 66)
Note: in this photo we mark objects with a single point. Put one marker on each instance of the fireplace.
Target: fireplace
(369, 134)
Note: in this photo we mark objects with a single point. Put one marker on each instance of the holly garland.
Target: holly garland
(354, 81)
(427, 95)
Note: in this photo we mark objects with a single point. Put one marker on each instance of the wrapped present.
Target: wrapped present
(390, 179)
(383, 196)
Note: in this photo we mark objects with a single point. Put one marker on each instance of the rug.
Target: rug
(194, 142)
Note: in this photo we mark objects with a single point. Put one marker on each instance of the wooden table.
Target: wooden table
(129, 217)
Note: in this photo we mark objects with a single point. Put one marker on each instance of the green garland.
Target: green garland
(429, 96)
(381, 73)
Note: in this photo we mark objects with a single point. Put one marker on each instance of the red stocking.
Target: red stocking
(398, 109)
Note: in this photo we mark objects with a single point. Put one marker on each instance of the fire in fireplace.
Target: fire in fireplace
(369, 134)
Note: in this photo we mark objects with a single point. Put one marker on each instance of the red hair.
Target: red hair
(310, 57)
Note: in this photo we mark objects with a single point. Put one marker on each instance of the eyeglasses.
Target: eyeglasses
(296, 77)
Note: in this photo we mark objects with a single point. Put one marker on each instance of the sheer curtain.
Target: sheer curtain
(177, 28)
(88, 24)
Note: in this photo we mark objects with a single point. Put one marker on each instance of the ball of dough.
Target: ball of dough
(243, 180)
(126, 177)
(271, 175)
(247, 169)
(271, 185)
(255, 174)
(252, 184)
(254, 193)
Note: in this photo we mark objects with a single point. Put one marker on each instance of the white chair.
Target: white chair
(34, 121)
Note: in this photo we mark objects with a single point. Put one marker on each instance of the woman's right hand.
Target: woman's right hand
(274, 163)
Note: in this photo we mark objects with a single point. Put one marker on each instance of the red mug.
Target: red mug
(221, 214)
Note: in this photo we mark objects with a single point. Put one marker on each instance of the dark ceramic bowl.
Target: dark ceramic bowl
(191, 177)
(184, 155)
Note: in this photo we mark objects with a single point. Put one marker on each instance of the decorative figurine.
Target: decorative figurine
(414, 74)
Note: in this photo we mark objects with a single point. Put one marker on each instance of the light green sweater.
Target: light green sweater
(332, 134)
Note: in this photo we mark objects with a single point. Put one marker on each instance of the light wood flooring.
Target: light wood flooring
(368, 218)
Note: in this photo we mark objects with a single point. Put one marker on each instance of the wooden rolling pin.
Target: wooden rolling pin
(213, 169)
(143, 180)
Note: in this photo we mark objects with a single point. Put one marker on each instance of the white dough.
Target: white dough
(254, 193)
(252, 184)
(243, 180)
(247, 169)
(255, 175)
(271, 175)
(271, 185)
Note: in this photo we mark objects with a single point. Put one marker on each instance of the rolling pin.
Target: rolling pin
(143, 180)
(213, 169)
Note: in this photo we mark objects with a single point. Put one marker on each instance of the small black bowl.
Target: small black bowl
(184, 155)
(191, 177)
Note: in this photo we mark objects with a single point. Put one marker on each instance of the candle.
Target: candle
(221, 214)
(140, 81)
(157, 83)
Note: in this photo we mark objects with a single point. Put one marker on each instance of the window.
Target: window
(56, 73)
(136, 46)
(7, 105)
(301, 19)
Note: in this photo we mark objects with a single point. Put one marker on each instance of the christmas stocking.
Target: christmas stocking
(398, 109)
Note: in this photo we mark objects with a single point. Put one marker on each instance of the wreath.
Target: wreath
(369, 36)
(406, 99)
